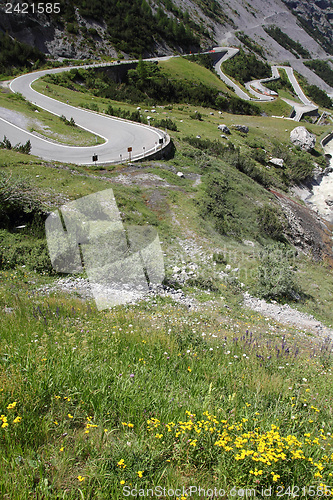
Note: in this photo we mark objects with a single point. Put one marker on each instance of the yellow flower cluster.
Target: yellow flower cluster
(89, 425)
(268, 448)
(153, 423)
(256, 472)
(121, 464)
(127, 424)
(3, 418)
(11, 405)
(5, 423)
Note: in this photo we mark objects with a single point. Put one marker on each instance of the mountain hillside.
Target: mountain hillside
(83, 29)
(220, 375)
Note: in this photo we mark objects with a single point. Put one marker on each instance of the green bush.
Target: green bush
(19, 250)
(20, 148)
(196, 116)
(269, 222)
(204, 283)
(215, 204)
(220, 258)
(166, 123)
(233, 157)
(70, 122)
(276, 278)
(259, 155)
(19, 204)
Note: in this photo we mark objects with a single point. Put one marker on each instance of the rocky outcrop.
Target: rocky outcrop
(315, 18)
(307, 231)
(87, 38)
(241, 128)
(301, 137)
(224, 128)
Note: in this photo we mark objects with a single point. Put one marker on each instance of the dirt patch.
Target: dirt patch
(141, 179)
(157, 201)
(15, 118)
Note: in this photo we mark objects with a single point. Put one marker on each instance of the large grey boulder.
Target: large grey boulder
(241, 128)
(224, 128)
(301, 137)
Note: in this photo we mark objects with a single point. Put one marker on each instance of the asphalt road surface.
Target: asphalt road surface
(119, 134)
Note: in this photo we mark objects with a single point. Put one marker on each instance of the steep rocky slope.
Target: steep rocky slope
(77, 32)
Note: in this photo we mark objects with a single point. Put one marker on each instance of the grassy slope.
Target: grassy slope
(179, 67)
(46, 124)
(67, 365)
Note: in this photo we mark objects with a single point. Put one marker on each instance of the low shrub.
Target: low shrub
(23, 250)
(276, 277)
(269, 222)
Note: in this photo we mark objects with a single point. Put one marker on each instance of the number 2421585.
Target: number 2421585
(32, 8)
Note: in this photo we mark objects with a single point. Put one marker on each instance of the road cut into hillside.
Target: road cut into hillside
(124, 140)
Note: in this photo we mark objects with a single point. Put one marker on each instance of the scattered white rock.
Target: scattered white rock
(224, 128)
(277, 161)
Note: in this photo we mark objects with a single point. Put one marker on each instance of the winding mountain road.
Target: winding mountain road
(119, 134)
(262, 93)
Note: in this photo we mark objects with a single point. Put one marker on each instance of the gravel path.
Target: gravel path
(288, 315)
